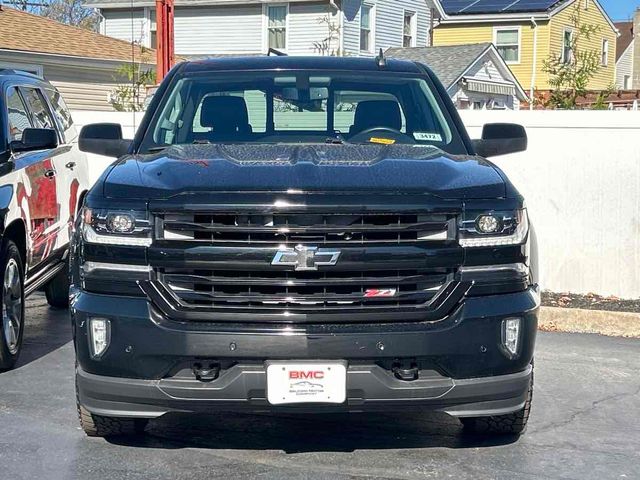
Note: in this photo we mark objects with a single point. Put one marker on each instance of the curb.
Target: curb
(575, 320)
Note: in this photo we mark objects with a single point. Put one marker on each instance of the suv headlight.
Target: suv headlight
(130, 228)
(494, 229)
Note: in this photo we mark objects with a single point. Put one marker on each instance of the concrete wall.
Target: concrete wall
(581, 178)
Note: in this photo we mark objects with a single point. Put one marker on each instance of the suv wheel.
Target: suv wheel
(511, 424)
(57, 290)
(11, 304)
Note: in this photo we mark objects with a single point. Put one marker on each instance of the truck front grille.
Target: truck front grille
(221, 266)
(302, 291)
(324, 229)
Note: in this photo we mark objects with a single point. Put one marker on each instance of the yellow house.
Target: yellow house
(528, 32)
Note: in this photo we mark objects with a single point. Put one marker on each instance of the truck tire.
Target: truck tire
(57, 290)
(11, 304)
(100, 426)
(510, 424)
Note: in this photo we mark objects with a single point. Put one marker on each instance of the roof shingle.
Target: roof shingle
(447, 62)
(22, 31)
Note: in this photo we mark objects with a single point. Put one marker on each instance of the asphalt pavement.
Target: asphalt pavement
(585, 424)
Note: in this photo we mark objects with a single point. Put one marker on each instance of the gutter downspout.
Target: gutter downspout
(338, 10)
(534, 69)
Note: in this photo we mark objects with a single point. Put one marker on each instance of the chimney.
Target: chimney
(636, 51)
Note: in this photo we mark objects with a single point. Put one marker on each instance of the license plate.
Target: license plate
(306, 382)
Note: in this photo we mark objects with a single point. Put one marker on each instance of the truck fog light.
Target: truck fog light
(121, 223)
(99, 336)
(488, 224)
(511, 334)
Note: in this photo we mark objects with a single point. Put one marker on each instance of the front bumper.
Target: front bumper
(146, 371)
(243, 388)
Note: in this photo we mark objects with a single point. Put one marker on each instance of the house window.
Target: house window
(567, 46)
(277, 26)
(366, 21)
(507, 41)
(605, 52)
(153, 30)
(409, 30)
(627, 82)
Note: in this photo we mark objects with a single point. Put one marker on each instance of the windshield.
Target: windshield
(302, 107)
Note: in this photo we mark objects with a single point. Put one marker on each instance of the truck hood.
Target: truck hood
(313, 168)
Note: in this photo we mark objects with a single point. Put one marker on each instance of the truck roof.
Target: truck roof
(299, 63)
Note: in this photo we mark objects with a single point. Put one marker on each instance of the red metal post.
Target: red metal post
(164, 32)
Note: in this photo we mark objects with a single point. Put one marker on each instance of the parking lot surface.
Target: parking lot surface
(585, 424)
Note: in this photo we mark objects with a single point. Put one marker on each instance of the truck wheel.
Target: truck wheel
(99, 426)
(57, 290)
(511, 424)
(12, 304)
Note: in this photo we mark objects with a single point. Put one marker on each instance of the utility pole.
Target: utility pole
(165, 49)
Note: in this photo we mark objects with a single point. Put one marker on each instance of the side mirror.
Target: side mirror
(36, 139)
(501, 139)
(103, 139)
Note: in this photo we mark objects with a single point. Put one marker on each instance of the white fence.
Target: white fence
(581, 179)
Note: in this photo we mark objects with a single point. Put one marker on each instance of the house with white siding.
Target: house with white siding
(250, 27)
(476, 76)
(625, 54)
(83, 65)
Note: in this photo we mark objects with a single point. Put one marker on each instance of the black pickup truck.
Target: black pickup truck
(291, 234)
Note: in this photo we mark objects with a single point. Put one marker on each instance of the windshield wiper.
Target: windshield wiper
(337, 140)
(157, 149)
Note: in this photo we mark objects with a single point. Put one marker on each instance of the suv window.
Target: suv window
(39, 111)
(61, 111)
(18, 116)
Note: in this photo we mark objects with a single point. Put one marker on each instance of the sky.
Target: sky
(620, 9)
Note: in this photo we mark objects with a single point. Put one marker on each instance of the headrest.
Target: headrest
(226, 114)
(377, 113)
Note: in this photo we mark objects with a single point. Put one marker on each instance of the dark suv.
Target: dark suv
(303, 235)
(43, 176)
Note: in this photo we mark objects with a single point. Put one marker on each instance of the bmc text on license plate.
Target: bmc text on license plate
(306, 382)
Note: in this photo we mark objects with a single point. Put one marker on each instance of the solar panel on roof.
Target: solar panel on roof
(452, 7)
(487, 6)
(532, 5)
(468, 7)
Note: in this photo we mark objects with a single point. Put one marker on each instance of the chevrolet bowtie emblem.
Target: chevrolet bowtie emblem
(306, 258)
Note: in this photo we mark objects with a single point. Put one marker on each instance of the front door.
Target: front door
(36, 191)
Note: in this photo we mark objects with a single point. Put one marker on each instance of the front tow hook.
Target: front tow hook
(406, 374)
(206, 373)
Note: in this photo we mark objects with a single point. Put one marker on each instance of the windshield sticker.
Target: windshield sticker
(427, 137)
(382, 141)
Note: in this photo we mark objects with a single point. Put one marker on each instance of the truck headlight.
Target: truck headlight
(494, 229)
(121, 223)
(116, 227)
